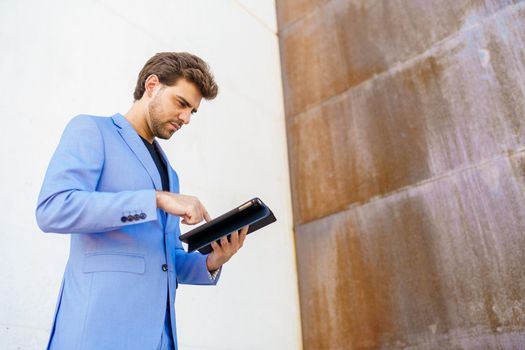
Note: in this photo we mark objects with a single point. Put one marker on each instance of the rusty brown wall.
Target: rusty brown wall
(406, 136)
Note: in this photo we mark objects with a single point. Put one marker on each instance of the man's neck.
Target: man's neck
(136, 116)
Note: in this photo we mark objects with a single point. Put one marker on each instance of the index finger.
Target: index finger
(242, 234)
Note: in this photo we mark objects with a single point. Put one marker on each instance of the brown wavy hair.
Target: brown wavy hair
(171, 66)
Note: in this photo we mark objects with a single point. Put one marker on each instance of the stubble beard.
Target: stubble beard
(158, 127)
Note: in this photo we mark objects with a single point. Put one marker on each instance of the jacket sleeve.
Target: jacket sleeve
(68, 201)
(191, 268)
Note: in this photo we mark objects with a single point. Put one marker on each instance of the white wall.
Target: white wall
(62, 58)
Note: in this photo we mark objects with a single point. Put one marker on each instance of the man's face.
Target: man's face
(171, 107)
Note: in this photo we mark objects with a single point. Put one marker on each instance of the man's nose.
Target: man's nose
(185, 116)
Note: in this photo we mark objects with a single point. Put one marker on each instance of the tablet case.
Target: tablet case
(254, 213)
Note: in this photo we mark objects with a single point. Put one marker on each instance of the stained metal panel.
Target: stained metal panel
(338, 44)
(290, 11)
(436, 266)
(406, 136)
(459, 105)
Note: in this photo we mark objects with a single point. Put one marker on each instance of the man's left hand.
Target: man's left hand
(224, 251)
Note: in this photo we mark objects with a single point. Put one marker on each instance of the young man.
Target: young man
(111, 187)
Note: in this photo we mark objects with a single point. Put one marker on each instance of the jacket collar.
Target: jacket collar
(132, 138)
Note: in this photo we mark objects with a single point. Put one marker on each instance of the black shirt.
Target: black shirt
(159, 162)
(163, 172)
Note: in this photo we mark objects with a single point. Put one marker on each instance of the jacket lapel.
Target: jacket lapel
(134, 142)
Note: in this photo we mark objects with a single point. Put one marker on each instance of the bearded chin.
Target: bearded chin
(160, 132)
(165, 136)
(156, 125)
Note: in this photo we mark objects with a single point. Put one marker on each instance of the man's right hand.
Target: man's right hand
(189, 208)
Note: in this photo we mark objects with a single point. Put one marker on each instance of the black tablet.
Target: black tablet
(253, 213)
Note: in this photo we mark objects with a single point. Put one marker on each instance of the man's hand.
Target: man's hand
(189, 208)
(224, 251)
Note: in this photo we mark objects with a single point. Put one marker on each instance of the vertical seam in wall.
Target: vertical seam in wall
(257, 18)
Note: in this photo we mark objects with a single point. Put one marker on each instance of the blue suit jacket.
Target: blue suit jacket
(114, 290)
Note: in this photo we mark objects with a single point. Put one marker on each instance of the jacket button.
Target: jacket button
(123, 219)
(136, 217)
(143, 216)
(130, 218)
(164, 267)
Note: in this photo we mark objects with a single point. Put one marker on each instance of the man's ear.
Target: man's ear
(151, 83)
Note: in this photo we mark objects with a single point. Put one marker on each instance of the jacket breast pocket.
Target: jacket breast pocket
(114, 262)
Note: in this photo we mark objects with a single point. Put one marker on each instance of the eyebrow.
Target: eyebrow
(186, 103)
